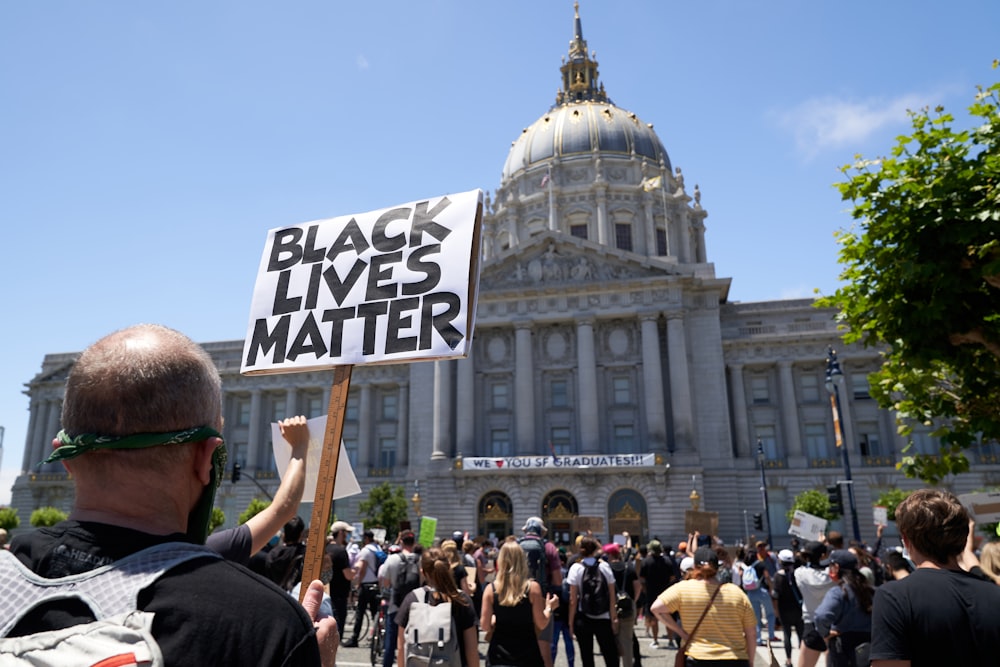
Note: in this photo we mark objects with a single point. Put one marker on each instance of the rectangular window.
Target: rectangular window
(623, 236)
(579, 231)
(623, 437)
(351, 446)
(499, 396)
(661, 242)
(870, 444)
(243, 412)
(278, 411)
(809, 384)
(622, 388)
(500, 442)
(924, 442)
(387, 452)
(353, 407)
(817, 444)
(558, 394)
(759, 391)
(559, 436)
(315, 407)
(770, 443)
(238, 454)
(390, 405)
(859, 385)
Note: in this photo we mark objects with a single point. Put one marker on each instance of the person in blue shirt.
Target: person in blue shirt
(844, 617)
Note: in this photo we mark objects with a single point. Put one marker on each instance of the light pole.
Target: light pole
(763, 489)
(833, 376)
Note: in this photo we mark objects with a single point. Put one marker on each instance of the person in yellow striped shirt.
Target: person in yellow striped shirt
(727, 637)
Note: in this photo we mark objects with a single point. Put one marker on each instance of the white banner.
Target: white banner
(570, 461)
(397, 284)
(807, 526)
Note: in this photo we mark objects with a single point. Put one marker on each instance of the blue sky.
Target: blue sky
(146, 148)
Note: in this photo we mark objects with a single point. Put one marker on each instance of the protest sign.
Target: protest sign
(880, 515)
(704, 523)
(346, 484)
(428, 529)
(984, 507)
(806, 526)
(392, 285)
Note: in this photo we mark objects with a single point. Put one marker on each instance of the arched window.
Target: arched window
(496, 518)
(627, 514)
(559, 508)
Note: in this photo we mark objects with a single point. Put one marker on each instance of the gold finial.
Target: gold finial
(695, 498)
(576, 9)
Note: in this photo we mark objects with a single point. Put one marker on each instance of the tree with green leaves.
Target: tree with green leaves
(385, 506)
(9, 520)
(47, 516)
(255, 507)
(217, 519)
(815, 502)
(922, 273)
(890, 501)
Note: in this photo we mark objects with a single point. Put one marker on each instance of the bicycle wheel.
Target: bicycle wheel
(352, 617)
(378, 641)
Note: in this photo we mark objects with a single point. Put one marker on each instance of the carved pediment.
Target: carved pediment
(554, 260)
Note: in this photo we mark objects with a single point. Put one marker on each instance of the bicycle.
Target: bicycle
(352, 614)
(378, 630)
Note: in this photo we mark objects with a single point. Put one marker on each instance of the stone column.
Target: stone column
(442, 410)
(743, 445)
(465, 416)
(649, 228)
(34, 441)
(53, 415)
(366, 454)
(603, 233)
(291, 402)
(524, 389)
(680, 384)
(254, 444)
(587, 409)
(652, 376)
(403, 426)
(789, 410)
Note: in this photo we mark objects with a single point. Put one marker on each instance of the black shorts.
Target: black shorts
(813, 639)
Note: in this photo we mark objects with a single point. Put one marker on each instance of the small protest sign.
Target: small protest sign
(806, 526)
(346, 484)
(984, 507)
(880, 515)
(428, 528)
(704, 523)
(392, 285)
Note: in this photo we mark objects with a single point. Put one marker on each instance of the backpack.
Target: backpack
(121, 635)
(284, 565)
(624, 604)
(380, 555)
(431, 637)
(594, 591)
(750, 579)
(538, 562)
(407, 577)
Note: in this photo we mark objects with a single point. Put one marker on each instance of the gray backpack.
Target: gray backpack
(431, 637)
(121, 635)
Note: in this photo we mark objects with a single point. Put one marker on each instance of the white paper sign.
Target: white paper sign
(397, 284)
(985, 507)
(346, 484)
(880, 515)
(806, 526)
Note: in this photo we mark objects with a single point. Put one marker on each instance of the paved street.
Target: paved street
(359, 657)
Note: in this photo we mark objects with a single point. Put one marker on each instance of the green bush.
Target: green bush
(813, 502)
(47, 516)
(217, 519)
(255, 507)
(8, 518)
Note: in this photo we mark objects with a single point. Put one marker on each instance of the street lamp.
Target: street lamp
(763, 489)
(833, 376)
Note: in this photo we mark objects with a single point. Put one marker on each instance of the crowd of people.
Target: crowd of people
(135, 566)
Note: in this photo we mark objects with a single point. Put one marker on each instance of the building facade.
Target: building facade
(610, 376)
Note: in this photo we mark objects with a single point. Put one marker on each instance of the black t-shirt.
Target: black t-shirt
(232, 543)
(937, 617)
(658, 573)
(463, 615)
(207, 611)
(339, 586)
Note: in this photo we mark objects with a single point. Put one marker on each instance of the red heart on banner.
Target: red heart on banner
(499, 463)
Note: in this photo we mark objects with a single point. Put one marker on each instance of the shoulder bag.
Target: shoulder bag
(681, 658)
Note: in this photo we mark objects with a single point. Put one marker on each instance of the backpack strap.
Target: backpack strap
(108, 590)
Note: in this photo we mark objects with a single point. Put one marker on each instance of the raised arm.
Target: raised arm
(264, 525)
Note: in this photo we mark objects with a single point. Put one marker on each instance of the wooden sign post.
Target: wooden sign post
(313, 563)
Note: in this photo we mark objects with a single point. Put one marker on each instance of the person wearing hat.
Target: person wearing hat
(719, 615)
(343, 573)
(545, 568)
(656, 573)
(813, 582)
(789, 600)
(366, 581)
(844, 616)
(627, 589)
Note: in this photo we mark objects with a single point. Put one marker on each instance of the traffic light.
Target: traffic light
(236, 472)
(758, 521)
(836, 500)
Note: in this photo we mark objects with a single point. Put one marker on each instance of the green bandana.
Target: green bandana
(73, 447)
(198, 519)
